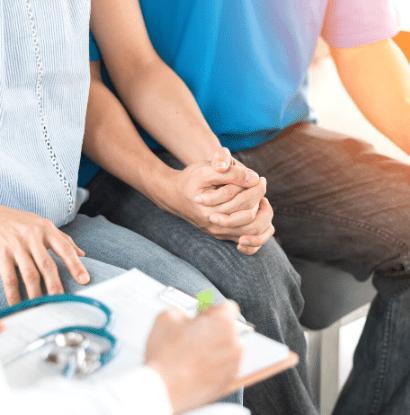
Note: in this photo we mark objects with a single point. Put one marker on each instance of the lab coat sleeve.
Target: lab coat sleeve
(139, 392)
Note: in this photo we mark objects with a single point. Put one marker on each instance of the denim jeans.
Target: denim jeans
(335, 201)
(111, 249)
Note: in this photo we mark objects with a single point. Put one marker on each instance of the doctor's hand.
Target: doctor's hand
(24, 242)
(196, 358)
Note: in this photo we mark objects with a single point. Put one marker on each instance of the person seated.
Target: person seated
(337, 201)
(44, 86)
(188, 363)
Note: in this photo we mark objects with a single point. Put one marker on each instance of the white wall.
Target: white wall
(404, 9)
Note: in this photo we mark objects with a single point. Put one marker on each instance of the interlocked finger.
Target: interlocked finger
(244, 200)
(223, 194)
(237, 219)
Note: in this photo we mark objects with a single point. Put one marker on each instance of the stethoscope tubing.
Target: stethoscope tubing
(63, 298)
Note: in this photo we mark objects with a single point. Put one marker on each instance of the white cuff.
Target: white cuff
(143, 390)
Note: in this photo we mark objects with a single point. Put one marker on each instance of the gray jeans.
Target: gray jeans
(335, 201)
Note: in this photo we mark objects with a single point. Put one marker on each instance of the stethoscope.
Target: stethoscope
(70, 346)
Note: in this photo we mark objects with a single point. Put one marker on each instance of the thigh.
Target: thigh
(99, 272)
(111, 250)
(336, 200)
(112, 244)
(265, 285)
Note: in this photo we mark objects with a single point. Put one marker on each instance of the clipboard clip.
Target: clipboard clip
(186, 302)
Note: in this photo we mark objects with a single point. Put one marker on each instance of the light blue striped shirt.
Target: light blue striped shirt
(44, 84)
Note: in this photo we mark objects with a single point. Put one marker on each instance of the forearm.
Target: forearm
(112, 141)
(377, 77)
(163, 105)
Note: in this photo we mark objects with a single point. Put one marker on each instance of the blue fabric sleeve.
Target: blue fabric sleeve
(95, 54)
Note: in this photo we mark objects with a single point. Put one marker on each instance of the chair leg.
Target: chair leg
(329, 368)
(323, 366)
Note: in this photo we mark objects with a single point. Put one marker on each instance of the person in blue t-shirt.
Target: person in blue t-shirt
(335, 199)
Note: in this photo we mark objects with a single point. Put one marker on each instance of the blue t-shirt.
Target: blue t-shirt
(246, 61)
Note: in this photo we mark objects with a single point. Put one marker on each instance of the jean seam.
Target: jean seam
(381, 375)
(383, 370)
(350, 223)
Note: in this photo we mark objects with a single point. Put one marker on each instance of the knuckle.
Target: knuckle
(31, 275)
(10, 281)
(203, 172)
(254, 230)
(13, 296)
(69, 238)
(4, 252)
(15, 241)
(228, 192)
(76, 269)
(30, 230)
(47, 264)
(252, 215)
(66, 248)
(47, 224)
(56, 289)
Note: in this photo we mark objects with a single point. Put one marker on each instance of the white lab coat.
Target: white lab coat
(140, 392)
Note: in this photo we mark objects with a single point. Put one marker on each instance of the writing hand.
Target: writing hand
(197, 358)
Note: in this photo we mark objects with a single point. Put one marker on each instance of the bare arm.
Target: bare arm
(150, 90)
(377, 77)
(112, 141)
(162, 104)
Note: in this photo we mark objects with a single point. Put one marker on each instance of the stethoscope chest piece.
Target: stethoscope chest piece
(69, 349)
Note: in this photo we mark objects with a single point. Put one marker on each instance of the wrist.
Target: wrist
(204, 152)
(165, 191)
(168, 383)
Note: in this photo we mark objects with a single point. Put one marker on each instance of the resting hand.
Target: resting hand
(238, 206)
(24, 242)
(199, 179)
(197, 358)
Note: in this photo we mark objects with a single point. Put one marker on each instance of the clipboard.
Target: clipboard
(136, 299)
(177, 297)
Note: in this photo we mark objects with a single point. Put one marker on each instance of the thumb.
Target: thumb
(221, 159)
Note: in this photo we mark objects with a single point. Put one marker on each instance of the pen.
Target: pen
(176, 297)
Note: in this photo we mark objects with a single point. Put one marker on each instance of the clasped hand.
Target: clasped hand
(226, 200)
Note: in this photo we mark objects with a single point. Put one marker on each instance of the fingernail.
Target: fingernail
(241, 248)
(198, 199)
(214, 219)
(251, 177)
(221, 166)
(84, 278)
(244, 242)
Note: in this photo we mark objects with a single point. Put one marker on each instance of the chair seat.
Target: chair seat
(329, 293)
